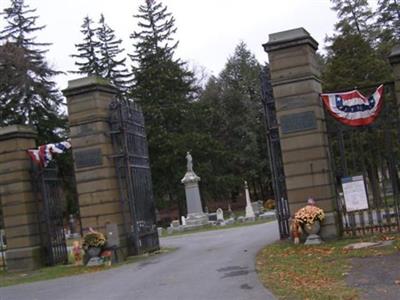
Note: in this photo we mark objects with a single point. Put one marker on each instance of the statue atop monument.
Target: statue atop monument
(189, 162)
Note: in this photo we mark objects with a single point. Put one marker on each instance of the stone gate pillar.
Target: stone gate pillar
(296, 87)
(18, 199)
(88, 101)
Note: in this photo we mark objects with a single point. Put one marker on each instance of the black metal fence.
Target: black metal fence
(275, 156)
(134, 175)
(49, 195)
(373, 153)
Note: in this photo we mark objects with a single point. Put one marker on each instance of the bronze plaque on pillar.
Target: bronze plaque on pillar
(88, 158)
(298, 122)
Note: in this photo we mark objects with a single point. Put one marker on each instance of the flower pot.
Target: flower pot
(312, 231)
(312, 228)
(93, 252)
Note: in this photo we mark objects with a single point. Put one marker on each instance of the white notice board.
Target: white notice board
(355, 195)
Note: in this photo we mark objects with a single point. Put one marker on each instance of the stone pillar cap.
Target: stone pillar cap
(17, 131)
(289, 38)
(85, 84)
(190, 177)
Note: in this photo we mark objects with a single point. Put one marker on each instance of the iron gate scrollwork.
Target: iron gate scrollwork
(275, 155)
(372, 152)
(49, 194)
(134, 176)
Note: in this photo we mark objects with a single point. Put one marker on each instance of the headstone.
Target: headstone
(175, 224)
(249, 208)
(230, 221)
(212, 216)
(220, 215)
(195, 214)
(183, 220)
(256, 208)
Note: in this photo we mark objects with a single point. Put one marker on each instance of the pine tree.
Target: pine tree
(111, 67)
(234, 120)
(353, 62)
(354, 56)
(389, 18)
(27, 93)
(355, 17)
(163, 87)
(88, 51)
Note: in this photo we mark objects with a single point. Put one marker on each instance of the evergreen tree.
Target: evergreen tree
(111, 67)
(163, 87)
(389, 18)
(352, 62)
(27, 93)
(355, 16)
(234, 118)
(353, 59)
(88, 51)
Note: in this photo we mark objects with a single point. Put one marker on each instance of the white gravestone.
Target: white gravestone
(220, 215)
(249, 208)
(183, 220)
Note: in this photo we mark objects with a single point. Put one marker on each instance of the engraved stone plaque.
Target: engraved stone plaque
(88, 158)
(298, 122)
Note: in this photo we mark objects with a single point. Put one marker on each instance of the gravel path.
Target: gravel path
(209, 265)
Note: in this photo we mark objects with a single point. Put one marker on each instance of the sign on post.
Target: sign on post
(355, 195)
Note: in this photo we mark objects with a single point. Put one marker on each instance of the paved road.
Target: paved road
(211, 265)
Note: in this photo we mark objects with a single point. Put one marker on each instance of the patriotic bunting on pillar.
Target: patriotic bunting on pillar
(352, 108)
(44, 154)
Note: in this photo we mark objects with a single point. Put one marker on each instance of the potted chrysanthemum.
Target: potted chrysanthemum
(93, 243)
(310, 218)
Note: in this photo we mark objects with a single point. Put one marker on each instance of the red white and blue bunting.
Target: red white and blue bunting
(352, 108)
(44, 154)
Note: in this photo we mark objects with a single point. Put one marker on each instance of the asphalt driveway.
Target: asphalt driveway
(209, 265)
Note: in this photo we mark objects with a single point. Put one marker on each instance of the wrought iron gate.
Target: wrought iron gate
(275, 155)
(134, 176)
(49, 195)
(372, 152)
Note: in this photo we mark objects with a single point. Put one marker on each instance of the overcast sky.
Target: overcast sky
(208, 30)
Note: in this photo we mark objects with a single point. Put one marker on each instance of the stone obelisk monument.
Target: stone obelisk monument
(249, 208)
(195, 214)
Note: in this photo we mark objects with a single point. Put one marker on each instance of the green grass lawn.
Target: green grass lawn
(314, 272)
(47, 273)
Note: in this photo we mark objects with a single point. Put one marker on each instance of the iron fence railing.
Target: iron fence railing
(372, 152)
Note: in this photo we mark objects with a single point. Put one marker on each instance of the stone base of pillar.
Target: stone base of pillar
(24, 259)
(329, 228)
(197, 219)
